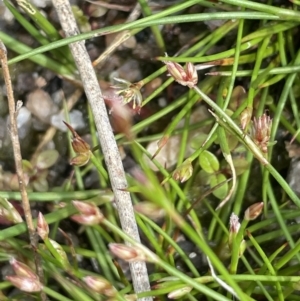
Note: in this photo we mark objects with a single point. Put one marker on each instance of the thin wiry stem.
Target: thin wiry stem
(18, 161)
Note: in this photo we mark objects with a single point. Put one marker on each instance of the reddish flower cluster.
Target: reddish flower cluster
(186, 76)
(25, 279)
(89, 215)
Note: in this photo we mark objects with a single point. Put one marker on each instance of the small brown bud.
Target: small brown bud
(42, 227)
(127, 253)
(90, 214)
(86, 208)
(253, 211)
(78, 144)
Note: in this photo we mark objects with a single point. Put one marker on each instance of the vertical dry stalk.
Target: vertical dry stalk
(107, 140)
(18, 161)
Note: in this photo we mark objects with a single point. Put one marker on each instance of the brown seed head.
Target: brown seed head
(186, 76)
(78, 144)
(261, 131)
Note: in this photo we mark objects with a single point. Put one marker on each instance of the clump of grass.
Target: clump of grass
(256, 255)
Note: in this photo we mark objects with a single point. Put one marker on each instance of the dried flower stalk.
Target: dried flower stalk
(107, 140)
(18, 159)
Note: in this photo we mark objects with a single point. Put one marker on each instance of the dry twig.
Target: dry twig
(107, 140)
(18, 160)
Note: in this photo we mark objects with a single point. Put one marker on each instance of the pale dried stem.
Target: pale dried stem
(18, 162)
(107, 141)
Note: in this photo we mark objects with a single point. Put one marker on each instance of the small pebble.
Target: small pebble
(96, 11)
(26, 82)
(130, 71)
(24, 122)
(40, 104)
(76, 121)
